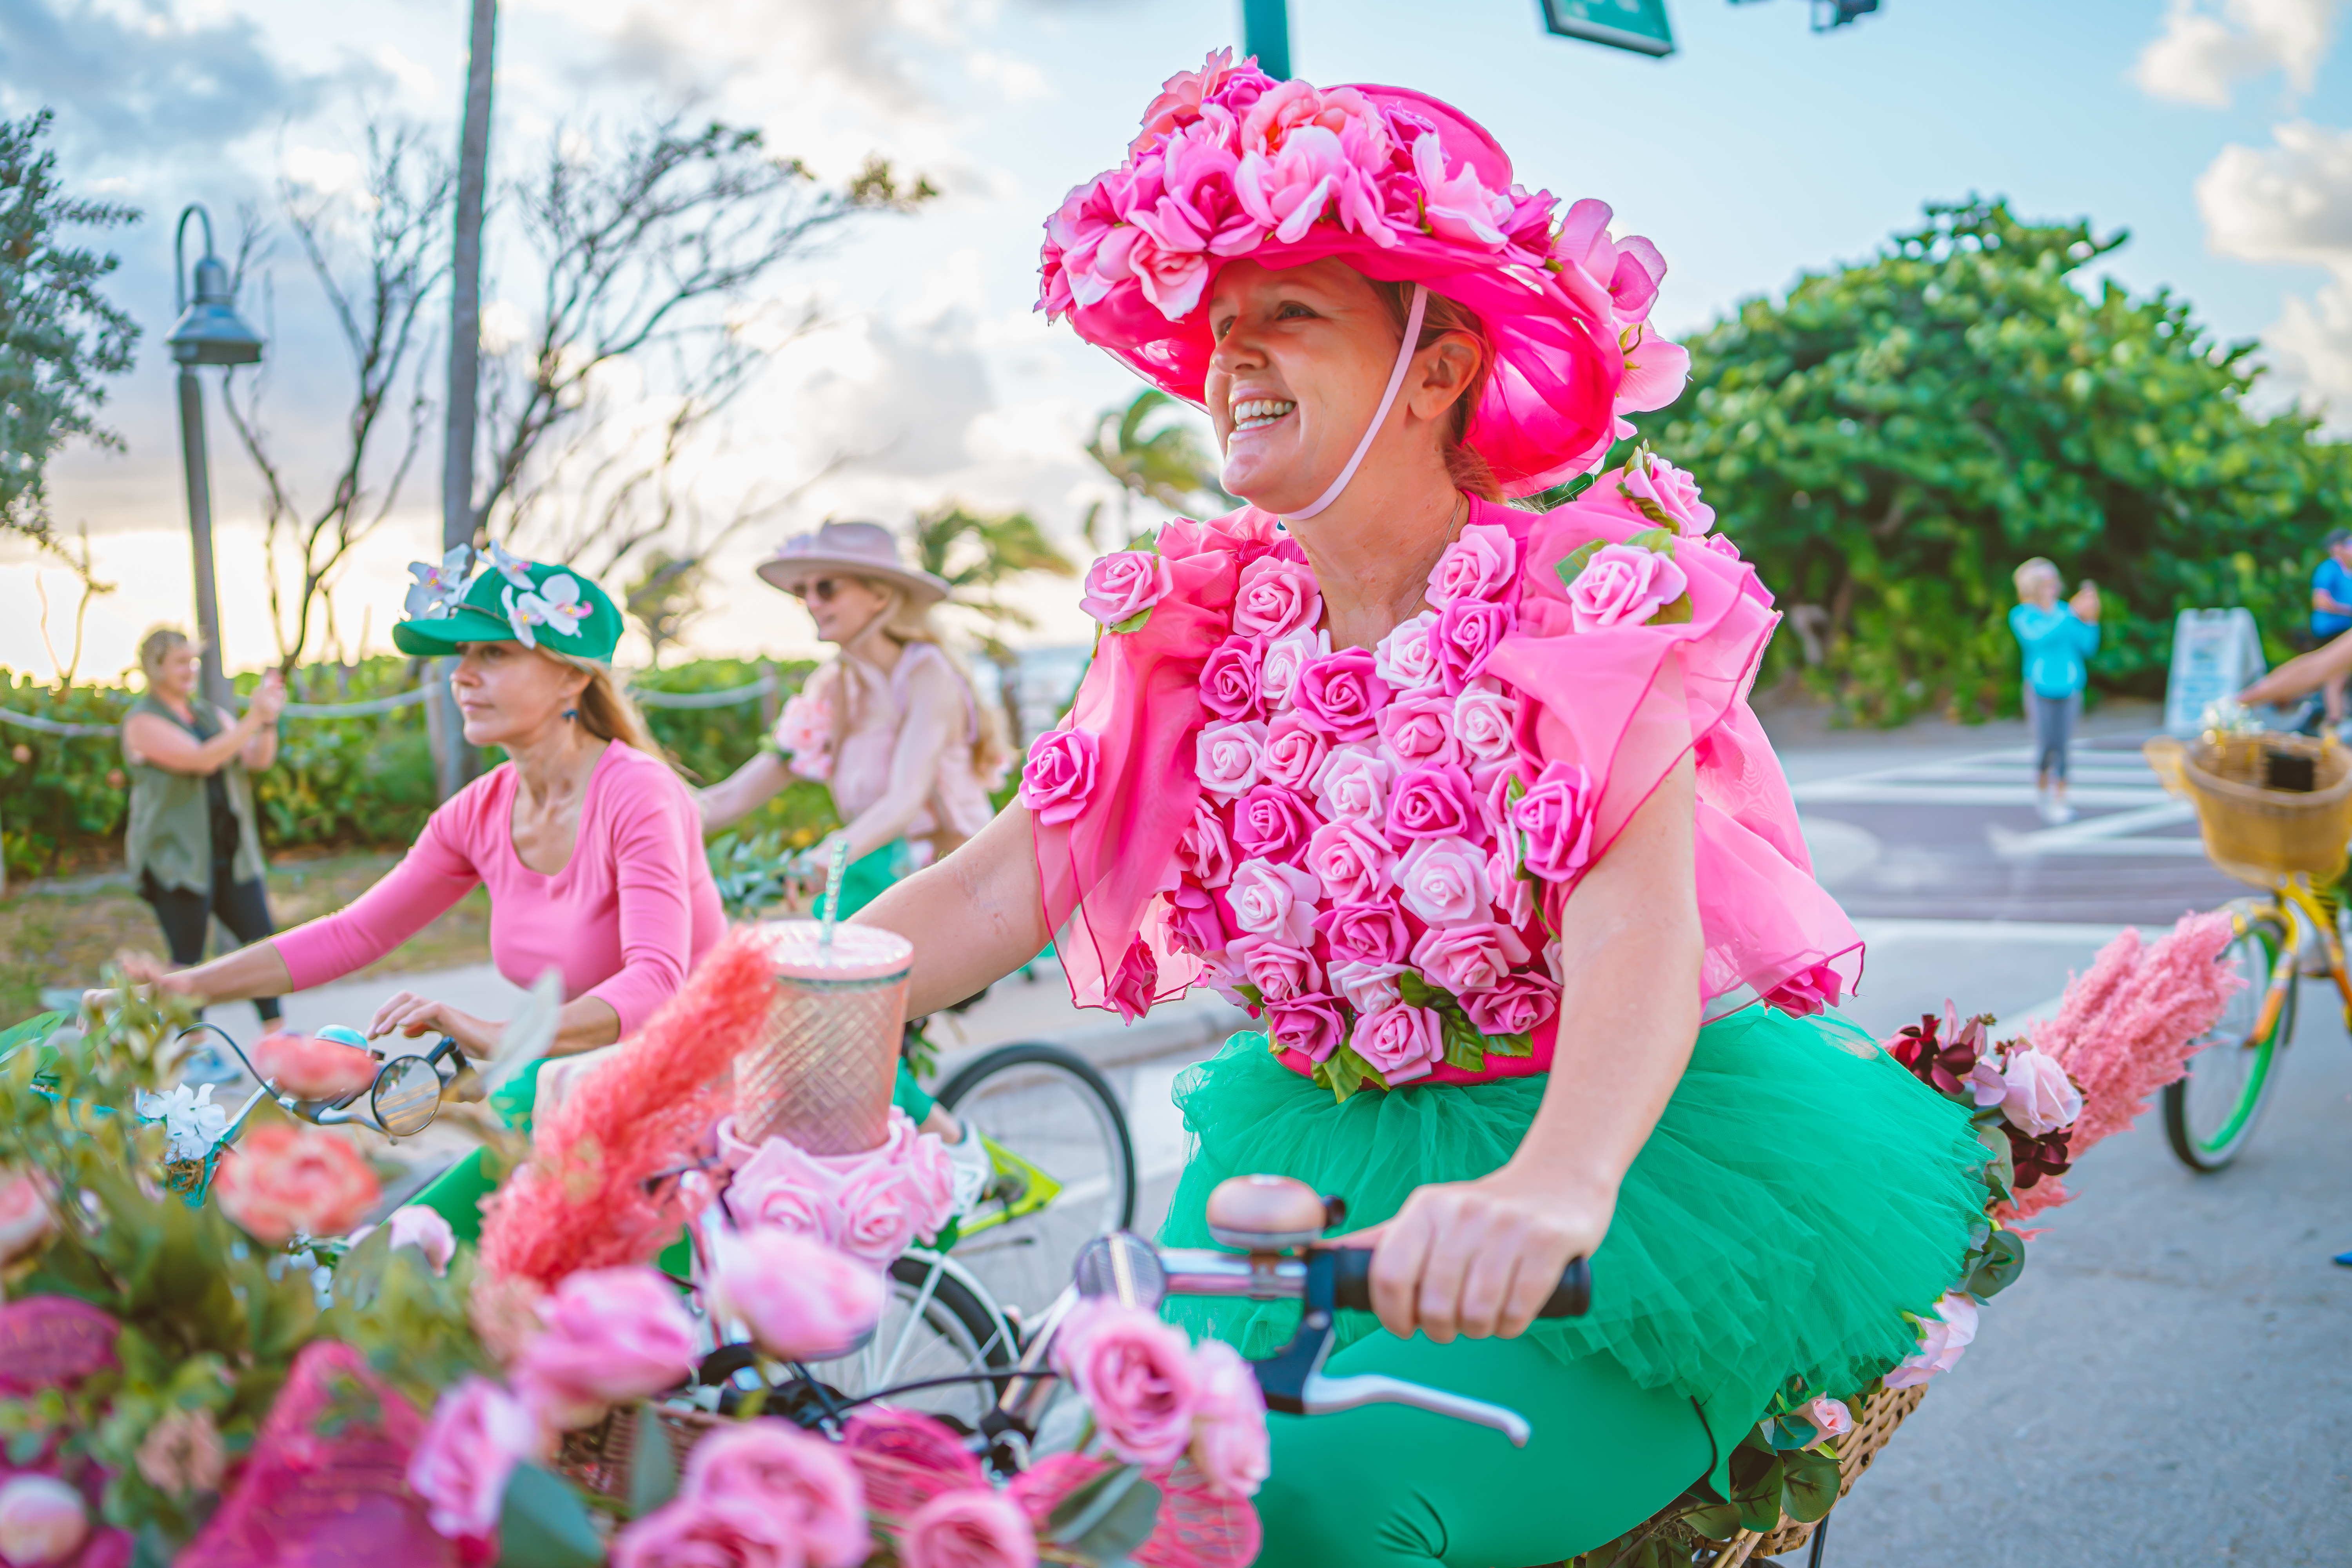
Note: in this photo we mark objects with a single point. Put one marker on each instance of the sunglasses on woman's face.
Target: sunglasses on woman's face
(822, 590)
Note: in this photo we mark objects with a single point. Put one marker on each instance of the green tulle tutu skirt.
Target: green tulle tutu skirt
(1800, 1193)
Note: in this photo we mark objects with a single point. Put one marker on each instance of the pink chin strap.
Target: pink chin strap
(1380, 415)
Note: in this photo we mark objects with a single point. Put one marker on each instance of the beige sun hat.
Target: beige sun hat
(851, 548)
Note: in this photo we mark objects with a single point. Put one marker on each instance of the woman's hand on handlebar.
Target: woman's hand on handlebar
(413, 1017)
(1478, 1259)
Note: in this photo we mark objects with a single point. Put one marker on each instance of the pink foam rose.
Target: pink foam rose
(1443, 880)
(1460, 209)
(1354, 864)
(1432, 802)
(972, 1528)
(1515, 896)
(1369, 987)
(1288, 190)
(1059, 778)
(1801, 996)
(886, 1206)
(612, 1335)
(802, 1483)
(1340, 694)
(1294, 753)
(1229, 679)
(1485, 719)
(415, 1225)
(1352, 786)
(1271, 823)
(1198, 208)
(1478, 566)
(784, 1186)
(24, 1218)
(1229, 1440)
(1556, 817)
(1829, 1418)
(1492, 781)
(1720, 546)
(1277, 679)
(42, 1521)
(1310, 1023)
(1204, 853)
(1401, 1043)
(1517, 1004)
(1664, 494)
(1269, 898)
(1366, 933)
(1406, 659)
(1623, 584)
(799, 1298)
(1195, 922)
(1288, 107)
(700, 1533)
(1181, 97)
(1625, 273)
(1281, 971)
(2032, 1090)
(1123, 585)
(1136, 1375)
(1418, 729)
(478, 1435)
(1468, 635)
(1136, 986)
(1227, 756)
(1467, 958)
(1941, 1340)
(1277, 598)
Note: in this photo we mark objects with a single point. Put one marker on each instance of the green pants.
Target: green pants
(1387, 1486)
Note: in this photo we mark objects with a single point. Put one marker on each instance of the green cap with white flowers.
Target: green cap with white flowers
(503, 598)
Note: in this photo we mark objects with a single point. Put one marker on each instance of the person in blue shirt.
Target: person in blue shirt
(2055, 639)
(2331, 611)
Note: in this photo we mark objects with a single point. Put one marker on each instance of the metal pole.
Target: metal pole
(200, 531)
(1265, 33)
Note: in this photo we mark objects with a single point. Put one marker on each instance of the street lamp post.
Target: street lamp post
(208, 332)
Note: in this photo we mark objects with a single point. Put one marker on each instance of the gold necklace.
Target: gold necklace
(1455, 517)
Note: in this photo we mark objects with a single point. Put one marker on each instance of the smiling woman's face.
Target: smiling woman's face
(1302, 357)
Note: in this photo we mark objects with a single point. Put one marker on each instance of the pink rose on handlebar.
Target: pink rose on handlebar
(311, 1068)
(1229, 1441)
(1136, 1374)
(283, 1181)
(802, 1300)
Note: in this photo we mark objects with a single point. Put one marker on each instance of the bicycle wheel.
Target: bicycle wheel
(934, 1325)
(2210, 1112)
(1065, 1168)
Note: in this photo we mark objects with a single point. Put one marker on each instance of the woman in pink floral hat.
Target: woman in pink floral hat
(1468, 803)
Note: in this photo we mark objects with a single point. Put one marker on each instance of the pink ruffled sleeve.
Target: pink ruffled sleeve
(1627, 703)
(1132, 730)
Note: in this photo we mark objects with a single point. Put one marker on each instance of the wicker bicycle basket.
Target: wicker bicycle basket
(2255, 834)
(1886, 1410)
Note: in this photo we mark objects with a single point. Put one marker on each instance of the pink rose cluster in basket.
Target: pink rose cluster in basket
(870, 1205)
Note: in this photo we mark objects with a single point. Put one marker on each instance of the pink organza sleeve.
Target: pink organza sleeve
(1629, 703)
(1102, 872)
(438, 870)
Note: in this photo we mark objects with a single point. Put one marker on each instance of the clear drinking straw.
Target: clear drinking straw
(833, 889)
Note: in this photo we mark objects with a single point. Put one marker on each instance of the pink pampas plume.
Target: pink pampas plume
(580, 1203)
(2129, 1026)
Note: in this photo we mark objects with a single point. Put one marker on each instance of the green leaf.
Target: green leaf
(543, 1524)
(1415, 992)
(1755, 1475)
(1572, 565)
(1658, 541)
(1786, 1431)
(2000, 1169)
(1716, 1520)
(1578, 486)
(1465, 1047)
(653, 1468)
(2002, 1260)
(1808, 1486)
(1108, 1518)
(1521, 1044)
(1133, 622)
(1677, 613)
(359, 1278)
(1249, 992)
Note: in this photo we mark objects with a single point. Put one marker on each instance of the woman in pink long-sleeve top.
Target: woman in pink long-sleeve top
(590, 847)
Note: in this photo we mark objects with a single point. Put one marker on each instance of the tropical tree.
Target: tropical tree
(1888, 440)
(59, 336)
(1168, 463)
(978, 554)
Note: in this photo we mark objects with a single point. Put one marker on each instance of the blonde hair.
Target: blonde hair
(158, 642)
(1441, 316)
(904, 622)
(604, 710)
(2031, 572)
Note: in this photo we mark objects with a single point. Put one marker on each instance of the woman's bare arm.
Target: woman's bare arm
(159, 742)
(2302, 674)
(742, 791)
(975, 918)
(1479, 1257)
(240, 976)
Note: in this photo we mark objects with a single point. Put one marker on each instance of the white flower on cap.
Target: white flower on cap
(556, 606)
(513, 568)
(437, 589)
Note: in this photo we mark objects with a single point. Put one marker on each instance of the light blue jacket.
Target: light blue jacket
(2055, 645)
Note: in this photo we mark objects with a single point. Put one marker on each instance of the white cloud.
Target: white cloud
(2201, 56)
(2291, 202)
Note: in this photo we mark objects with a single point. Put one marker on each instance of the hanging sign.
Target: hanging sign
(1637, 25)
(2215, 654)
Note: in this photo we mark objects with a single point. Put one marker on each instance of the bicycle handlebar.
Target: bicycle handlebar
(1195, 1272)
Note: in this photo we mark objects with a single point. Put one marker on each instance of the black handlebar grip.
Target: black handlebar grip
(1352, 1284)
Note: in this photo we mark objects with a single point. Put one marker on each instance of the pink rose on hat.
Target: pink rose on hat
(1281, 971)
(1623, 584)
(1515, 896)
(1123, 585)
(1270, 899)
(1485, 719)
(1443, 881)
(1136, 985)
(1311, 1024)
(1556, 817)
(1059, 778)
(1515, 1005)
(1229, 679)
(1418, 727)
(1369, 934)
(1340, 694)
(1467, 958)
(1478, 566)
(1352, 862)
(1407, 658)
(1402, 1044)
(1276, 597)
(1352, 786)
(1227, 757)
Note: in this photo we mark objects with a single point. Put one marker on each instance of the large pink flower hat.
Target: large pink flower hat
(1404, 188)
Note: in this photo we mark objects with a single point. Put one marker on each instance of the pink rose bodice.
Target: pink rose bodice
(1370, 847)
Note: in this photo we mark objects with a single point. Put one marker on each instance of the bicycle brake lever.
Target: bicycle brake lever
(1322, 1395)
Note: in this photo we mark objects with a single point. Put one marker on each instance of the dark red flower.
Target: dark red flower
(2034, 1158)
(1942, 1065)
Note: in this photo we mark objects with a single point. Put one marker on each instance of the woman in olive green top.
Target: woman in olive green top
(192, 847)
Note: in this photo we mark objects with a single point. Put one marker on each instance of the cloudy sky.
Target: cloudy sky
(2218, 131)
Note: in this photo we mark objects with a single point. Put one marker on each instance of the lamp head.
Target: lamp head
(210, 331)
